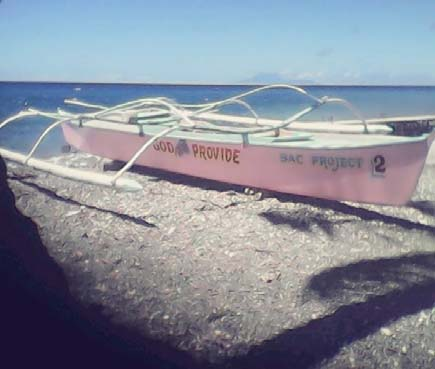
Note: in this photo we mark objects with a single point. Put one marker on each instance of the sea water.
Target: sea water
(376, 101)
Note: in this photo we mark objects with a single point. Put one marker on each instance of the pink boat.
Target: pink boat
(360, 161)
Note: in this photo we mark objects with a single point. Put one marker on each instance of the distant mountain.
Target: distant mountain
(269, 78)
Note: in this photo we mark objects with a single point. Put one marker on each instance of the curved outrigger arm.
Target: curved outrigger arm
(204, 108)
(207, 107)
(21, 114)
(229, 102)
(84, 104)
(212, 105)
(351, 108)
(124, 184)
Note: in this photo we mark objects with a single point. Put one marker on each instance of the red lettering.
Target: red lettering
(216, 153)
(210, 152)
(156, 146)
(202, 152)
(163, 147)
(171, 148)
(236, 154)
(195, 149)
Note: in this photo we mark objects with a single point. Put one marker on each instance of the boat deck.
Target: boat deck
(287, 138)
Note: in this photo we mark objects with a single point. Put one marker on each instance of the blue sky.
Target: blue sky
(199, 41)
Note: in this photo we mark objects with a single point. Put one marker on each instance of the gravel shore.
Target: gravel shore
(227, 279)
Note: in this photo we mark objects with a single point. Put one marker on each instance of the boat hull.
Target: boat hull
(385, 174)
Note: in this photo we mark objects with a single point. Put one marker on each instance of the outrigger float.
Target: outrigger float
(372, 161)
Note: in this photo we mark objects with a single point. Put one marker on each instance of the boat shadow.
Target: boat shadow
(53, 195)
(425, 207)
(365, 296)
(303, 221)
(175, 178)
(318, 218)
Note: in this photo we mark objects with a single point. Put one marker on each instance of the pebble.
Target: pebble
(386, 332)
(71, 213)
(352, 361)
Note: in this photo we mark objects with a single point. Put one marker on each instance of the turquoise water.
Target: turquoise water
(377, 101)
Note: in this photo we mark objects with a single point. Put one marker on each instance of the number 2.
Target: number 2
(378, 164)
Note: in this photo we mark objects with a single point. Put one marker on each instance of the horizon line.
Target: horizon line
(213, 83)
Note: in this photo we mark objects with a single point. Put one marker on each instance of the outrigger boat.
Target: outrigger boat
(372, 161)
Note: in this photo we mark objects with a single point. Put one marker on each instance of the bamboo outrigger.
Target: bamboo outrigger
(357, 160)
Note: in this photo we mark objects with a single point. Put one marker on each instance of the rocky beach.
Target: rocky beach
(203, 274)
